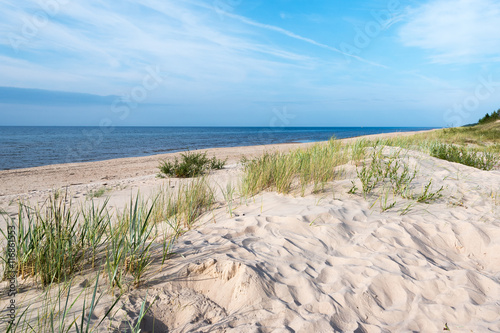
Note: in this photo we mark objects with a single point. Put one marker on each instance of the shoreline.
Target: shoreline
(56, 176)
(68, 146)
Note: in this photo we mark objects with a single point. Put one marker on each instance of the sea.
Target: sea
(31, 146)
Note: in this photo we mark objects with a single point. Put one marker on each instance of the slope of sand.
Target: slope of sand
(329, 262)
(325, 263)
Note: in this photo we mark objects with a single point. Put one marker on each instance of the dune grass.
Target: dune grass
(391, 169)
(284, 172)
(58, 311)
(180, 209)
(97, 193)
(49, 242)
(388, 176)
(477, 146)
(463, 155)
(58, 241)
(394, 177)
(485, 137)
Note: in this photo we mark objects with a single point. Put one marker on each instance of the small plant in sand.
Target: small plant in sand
(394, 175)
(228, 195)
(495, 197)
(385, 203)
(427, 195)
(97, 193)
(190, 165)
(391, 169)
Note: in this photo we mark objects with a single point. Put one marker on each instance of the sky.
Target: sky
(271, 63)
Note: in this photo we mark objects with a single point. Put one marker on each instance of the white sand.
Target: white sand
(316, 264)
(331, 263)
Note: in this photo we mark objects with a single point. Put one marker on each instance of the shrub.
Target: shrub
(190, 165)
(495, 115)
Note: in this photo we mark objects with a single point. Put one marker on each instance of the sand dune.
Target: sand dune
(333, 262)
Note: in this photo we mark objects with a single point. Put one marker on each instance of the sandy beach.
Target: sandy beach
(327, 262)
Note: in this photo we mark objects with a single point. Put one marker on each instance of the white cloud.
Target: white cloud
(89, 46)
(455, 31)
(293, 35)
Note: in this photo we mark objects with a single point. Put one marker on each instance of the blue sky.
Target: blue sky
(248, 62)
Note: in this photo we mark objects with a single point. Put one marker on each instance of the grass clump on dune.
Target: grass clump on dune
(49, 242)
(380, 169)
(57, 242)
(477, 146)
(285, 171)
(186, 205)
(463, 155)
(393, 174)
(190, 165)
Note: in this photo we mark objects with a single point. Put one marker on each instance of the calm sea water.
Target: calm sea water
(23, 147)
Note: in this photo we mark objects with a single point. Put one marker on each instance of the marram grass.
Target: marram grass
(284, 172)
(58, 241)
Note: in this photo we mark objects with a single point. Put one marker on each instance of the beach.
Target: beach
(327, 261)
(235, 166)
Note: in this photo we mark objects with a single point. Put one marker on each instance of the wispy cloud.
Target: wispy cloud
(297, 37)
(455, 31)
(91, 47)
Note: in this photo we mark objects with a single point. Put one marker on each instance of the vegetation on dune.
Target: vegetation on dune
(463, 155)
(477, 146)
(284, 172)
(97, 193)
(181, 209)
(190, 165)
(57, 242)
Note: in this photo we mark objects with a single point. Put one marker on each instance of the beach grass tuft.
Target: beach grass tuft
(190, 165)
(285, 172)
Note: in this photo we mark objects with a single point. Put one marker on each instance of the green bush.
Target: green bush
(190, 165)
